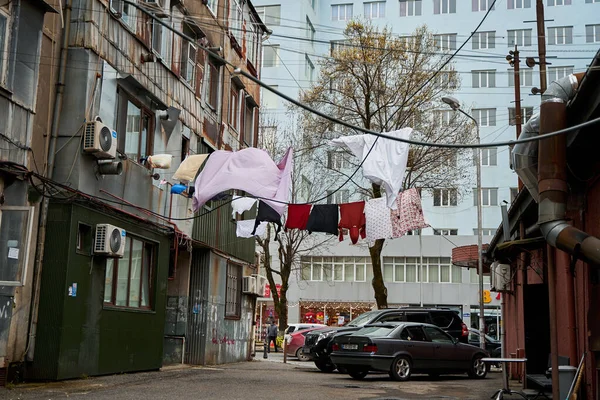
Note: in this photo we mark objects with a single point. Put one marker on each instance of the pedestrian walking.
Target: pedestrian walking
(272, 336)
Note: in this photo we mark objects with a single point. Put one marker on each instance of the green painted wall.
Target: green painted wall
(79, 336)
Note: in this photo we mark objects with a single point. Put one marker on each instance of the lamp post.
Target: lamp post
(455, 105)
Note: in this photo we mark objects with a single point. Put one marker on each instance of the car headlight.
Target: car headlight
(325, 335)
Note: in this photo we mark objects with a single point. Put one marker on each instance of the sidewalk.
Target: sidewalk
(278, 358)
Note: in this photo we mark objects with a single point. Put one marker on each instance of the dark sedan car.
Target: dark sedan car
(492, 345)
(401, 348)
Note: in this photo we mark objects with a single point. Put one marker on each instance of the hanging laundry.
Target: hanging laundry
(178, 189)
(250, 170)
(352, 217)
(187, 170)
(323, 218)
(266, 213)
(409, 215)
(297, 216)
(385, 164)
(245, 228)
(379, 223)
(240, 204)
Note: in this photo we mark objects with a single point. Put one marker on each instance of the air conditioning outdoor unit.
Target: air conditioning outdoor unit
(261, 284)
(249, 285)
(100, 140)
(500, 277)
(109, 241)
(493, 276)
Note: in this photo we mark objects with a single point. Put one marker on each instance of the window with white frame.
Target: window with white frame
(157, 37)
(309, 68)
(337, 160)
(555, 73)
(444, 6)
(560, 35)
(484, 40)
(212, 5)
(128, 15)
(166, 47)
(592, 1)
(512, 4)
(16, 224)
(433, 270)
(525, 77)
(445, 42)
(443, 117)
(339, 45)
(234, 107)
(445, 232)
(310, 30)
(236, 21)
(270, 15)
(485, 116)
(552, 3)
(341, 12)
(339, 197)
(483, 79)
(485, 231)
(270, 56)
(188, 61)
(526, 114)
(489, 197)
(445, 197)
(482, 5)
(519, 37)
(337, 269)
(269, 99)
(446, 79)
(489, 156)
(410, 8)
(592, 33)
(375, 10)
(213, 74)
(253, 43)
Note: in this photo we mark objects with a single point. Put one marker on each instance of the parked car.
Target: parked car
(318, 342)
(493, 346)
(295, 342)
(404, 348)
(298, 327)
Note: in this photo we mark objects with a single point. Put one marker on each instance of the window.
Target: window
(309, 68)
(482, 5)
(555, 73)
(512, 4)
(375, 10)
(592, 1)
(138, 124)
(445, 232)
(519, 37)
(249, 124)
(253, 42)
(16, 225)
(310, 30)
(483, 79)
(435, 270)
(270, 15)
(212, 5)
(236, 18)
(233, 291)
(234, 107)
(129, 281)
(336, 160)
(444, 6)
(84, 239)
(445, 197)
(339, 45)
(445, 79)
(410, 8)
(489, 156)
(484, 40)
(485, 231)
(128, 15)
(341, 12)
(339, 197)
(347, 269)
(526, 113)
(3, 43)
(270, 56)
(445, 42)
(443, 117)
(560, 35)
(525, 77)
(157, 37)
(212, 84)
(270, 99)
(437, 335)
(166, 46)
(489, 197)
(592, 33)
(514, 192)
(189, 52)
(485, 116)
(552, 3)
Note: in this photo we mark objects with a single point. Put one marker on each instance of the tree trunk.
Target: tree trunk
(375, 252)
(282, 310)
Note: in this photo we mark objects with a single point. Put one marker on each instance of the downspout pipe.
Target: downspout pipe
(552, 175)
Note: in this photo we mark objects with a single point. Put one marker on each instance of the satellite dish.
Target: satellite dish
(169, 120)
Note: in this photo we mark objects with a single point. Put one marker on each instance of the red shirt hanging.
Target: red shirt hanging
(297, 216)
(353, 219)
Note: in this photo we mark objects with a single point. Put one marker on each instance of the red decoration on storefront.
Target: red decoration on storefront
(268, 290)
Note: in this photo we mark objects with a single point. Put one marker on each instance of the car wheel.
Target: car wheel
(300, 355)
(325, 366)
(478, 368)
(357, 374)
(401, 369)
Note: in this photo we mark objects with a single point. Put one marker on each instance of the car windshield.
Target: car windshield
(375, 331)
(363, 319)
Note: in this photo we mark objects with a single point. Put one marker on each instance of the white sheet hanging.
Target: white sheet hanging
(240, 204)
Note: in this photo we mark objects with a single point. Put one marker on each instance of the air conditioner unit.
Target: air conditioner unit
(502, 277)
(109, 241)
(493, 279)
(249, 285)
(100, 140)
(261, 284)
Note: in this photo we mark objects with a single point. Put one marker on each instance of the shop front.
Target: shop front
(332, 313)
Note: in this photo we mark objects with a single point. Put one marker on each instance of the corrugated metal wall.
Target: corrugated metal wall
(197, 318)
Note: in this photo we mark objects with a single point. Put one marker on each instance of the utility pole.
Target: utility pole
(513, 60)
(541, 39)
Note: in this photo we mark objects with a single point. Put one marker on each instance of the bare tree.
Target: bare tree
(371, 80)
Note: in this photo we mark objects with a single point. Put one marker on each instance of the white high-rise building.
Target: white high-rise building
(338, 276)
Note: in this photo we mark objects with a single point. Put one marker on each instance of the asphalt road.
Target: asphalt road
(259, 379)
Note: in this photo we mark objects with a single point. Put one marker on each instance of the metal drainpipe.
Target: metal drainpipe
(41, 237)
